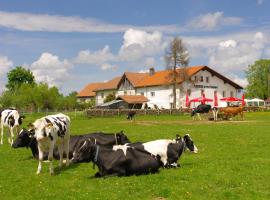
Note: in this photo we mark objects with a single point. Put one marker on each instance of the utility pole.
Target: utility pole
(268, 85)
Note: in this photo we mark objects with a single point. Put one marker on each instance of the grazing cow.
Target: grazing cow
(169, 150)
(232, 111)
(131, 115)
(49, 131)
(27, 139)
(118, 163)
(202, 108)
(10, 118)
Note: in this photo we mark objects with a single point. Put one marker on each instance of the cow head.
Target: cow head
(193, 112)
(23, 139)
(121, 138)
(190, 144)
(15, 120)
(84, 151)
(41, 130)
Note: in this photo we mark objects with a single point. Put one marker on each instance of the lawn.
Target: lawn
(233, 163)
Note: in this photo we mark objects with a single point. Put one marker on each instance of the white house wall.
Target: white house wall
(100, 99)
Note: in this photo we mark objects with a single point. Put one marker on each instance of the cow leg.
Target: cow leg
(50, 157)
(40, 157)
(2, 133)
(60, 150)
(11, 135)
(66, 150)
(199, 116)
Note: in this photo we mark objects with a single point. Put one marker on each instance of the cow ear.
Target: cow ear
(49, 125)
(30, 126)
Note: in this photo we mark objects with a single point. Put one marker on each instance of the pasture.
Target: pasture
(233, 163)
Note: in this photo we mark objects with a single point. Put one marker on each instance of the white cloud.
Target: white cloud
(96, 57)
(5, 65)
(107, 66)
(240, 81)
(211, 21)
(48, 68)
(58, 23)
(235, 56)
(137, 44)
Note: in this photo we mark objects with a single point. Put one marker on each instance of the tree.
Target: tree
(258, 81)
(176, 56)
(18, 76)
(110, 97)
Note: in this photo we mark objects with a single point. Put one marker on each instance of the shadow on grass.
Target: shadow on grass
(58, 170)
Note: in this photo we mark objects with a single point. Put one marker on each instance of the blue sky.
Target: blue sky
(72, 43)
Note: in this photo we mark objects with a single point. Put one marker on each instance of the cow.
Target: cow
(12, 119)
(200, 109)
(131, 115)
(51, 131)
(169, 150)
(26, 139)
(131, 161)
(232, 111)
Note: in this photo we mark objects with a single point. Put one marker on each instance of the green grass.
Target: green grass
(233, 163)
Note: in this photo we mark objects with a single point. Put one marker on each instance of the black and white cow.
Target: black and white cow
(10, 118)
(51, 131)
(117, 162)
(27, 139)
(168, 150)
(200, 109)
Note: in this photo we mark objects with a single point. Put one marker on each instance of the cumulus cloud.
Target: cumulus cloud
(138, 44)
(5, 65)
(107, 66)
(96, 57)
(211, 21)
(240, 81)
(50, 69)
(58, 23)
(231, 55)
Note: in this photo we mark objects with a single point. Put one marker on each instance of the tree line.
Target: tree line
(24, 93)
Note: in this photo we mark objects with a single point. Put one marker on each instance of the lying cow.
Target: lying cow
(200, 109)
(169, 150)
(117, 162)
(51, 131)
(232, 111)
(10, 118)
(27, 139)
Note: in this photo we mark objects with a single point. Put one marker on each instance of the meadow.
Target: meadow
(233, 162)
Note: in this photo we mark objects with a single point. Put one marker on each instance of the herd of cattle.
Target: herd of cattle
(49, 137)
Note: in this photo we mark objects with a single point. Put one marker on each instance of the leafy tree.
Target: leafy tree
(109, 98)
(176, 56)
(258, 79)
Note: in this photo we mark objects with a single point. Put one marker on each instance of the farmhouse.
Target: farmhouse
(157, 86)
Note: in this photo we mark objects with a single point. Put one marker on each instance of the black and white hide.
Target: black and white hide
(200, 109)
(120, 162)
(52, 131)
(168, 150)
(10, 118)
(27, 139)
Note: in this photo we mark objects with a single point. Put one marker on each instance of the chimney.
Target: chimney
(151, 71)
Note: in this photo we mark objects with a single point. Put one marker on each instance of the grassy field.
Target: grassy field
(233, 163)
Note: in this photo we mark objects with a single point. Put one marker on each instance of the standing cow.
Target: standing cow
(10, 118)
(200, 109)
(50, 131)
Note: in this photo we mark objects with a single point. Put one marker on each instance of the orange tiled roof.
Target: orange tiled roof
(132, 99)
(88, 91)
(109, 85)
(164, 77)
(135, 78)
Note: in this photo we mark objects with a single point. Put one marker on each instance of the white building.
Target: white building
(157, 86)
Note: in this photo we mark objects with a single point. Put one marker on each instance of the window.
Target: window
(195, 78)
(202, 93)
(231, 93)
(142, 93)
(152, 94)
(207, 79)
(223, 93)
(201, 78)
(125, 92)
(102, 95)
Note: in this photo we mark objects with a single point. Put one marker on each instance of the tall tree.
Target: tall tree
(18, 76)
(176, 56)
(258, 79)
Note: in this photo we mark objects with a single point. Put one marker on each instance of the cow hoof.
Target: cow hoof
(38, 172)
